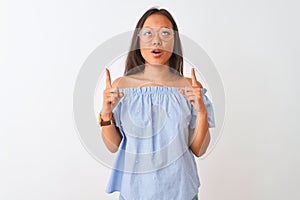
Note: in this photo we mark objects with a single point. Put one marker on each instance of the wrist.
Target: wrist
(106, 116)
(202, 114)
(107, 119)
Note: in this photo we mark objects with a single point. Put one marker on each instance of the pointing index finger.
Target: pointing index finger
(194, 79)
(108, 80)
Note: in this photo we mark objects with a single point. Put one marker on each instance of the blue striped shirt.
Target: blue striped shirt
(154, 160)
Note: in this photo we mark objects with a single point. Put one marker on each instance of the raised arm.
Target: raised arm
(111, 96)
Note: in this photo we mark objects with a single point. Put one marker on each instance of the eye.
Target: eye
(147, 33)
(166, 32)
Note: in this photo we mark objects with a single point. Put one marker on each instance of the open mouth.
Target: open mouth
(156, 52)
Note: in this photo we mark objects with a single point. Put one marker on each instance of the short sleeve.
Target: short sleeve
(210, 112)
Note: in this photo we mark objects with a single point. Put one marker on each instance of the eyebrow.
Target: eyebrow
(157, 27)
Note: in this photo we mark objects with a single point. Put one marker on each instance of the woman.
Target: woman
(155, 117)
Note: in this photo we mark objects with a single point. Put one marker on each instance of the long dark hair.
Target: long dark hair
(135, 58)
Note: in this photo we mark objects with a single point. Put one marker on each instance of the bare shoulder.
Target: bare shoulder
(115, 83)
(190, 82)
(124, 82)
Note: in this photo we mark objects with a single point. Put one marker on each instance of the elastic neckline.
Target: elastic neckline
(150, 89)
(155, 88)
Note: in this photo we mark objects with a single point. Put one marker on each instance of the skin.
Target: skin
(158, 68)
(157, 21)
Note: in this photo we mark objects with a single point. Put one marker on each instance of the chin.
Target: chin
(157, 63)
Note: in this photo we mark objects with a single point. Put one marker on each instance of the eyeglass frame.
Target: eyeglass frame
(157, 31)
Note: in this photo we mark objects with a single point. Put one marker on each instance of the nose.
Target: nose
(156, 40)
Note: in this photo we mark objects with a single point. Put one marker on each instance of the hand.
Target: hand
(111, 95)
(194, 94)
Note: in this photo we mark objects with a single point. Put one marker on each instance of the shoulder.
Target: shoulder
(133, 80)
(123, 82)
(190, 82)
(115, 83)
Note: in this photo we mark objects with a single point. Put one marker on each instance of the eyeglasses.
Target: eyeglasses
(147, 34)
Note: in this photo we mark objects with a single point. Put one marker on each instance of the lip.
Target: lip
(156, 55)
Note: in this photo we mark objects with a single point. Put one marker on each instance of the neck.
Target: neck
(157, 72)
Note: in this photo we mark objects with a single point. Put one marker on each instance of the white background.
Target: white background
(254, 45)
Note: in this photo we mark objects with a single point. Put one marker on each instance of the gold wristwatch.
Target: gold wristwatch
(109, 122)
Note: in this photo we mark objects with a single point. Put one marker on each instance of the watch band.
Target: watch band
(107, 123)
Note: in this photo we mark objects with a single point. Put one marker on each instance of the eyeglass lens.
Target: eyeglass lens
(147, 34)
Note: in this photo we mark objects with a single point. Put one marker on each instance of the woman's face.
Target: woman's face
(157, 40)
